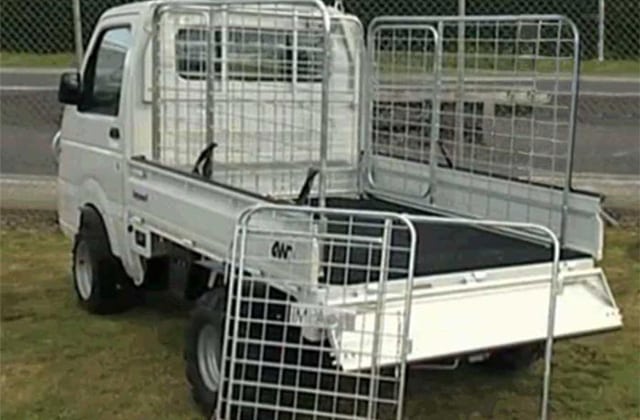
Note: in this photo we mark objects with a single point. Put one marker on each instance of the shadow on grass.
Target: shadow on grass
(471, 391)
(164, 313)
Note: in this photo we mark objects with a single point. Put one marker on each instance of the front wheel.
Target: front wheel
(100, 282)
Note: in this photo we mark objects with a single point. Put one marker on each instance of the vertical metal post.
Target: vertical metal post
(211, 70)
(434, 136)
(554, 289)
(601, 30)
(230, 279)
(376, 350)
(237, 274)
(459, 137)
(366, 107)
(573, 110)
(294, 57)
(406, 321)
(362, 86)
(77, 31)
(324, 109)
(155, 85)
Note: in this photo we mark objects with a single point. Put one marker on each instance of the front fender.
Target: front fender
(92, 195)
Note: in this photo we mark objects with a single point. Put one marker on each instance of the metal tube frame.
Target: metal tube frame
(391, 22)
(239, 242)
(554, 289)
(601, 19)
(575, 88)
(460, 64)
(435, 115)
(77, 32)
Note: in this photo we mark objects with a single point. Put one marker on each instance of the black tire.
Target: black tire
(209, 314)
(516, 358)
(101, 284)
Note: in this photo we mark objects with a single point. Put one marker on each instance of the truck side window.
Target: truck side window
(102, 81)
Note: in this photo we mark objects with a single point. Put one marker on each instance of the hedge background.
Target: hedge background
(45, 26)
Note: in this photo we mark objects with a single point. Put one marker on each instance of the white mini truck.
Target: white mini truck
(338, 203)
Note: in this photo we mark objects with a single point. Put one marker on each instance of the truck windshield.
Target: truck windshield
(251, 54)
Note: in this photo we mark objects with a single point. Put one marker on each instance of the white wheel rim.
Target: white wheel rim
(83, 271)
(208, 348)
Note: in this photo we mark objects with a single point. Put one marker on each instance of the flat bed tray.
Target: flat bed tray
(441, 248)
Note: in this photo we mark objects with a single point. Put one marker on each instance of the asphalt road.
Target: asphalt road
(608, 129)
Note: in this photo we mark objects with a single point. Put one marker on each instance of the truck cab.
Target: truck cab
(110, 129)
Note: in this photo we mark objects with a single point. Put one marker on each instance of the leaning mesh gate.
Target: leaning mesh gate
(311, 332)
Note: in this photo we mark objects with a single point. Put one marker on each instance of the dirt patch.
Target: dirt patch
(625, 216)
(43, 220)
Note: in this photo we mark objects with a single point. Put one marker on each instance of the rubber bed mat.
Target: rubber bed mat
(441, 248)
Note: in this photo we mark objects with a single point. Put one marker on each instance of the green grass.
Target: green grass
(64, 60)
(60, 363)
(402, 62)
(612, 67)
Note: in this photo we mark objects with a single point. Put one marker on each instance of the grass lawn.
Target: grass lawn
(60, 363)
(611, 68)
(402, 63)
(63, 60)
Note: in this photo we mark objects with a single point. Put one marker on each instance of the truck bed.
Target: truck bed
(441, 248)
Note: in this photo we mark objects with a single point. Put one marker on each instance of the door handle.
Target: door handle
(114, 133)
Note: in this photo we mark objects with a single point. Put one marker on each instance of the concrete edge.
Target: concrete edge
(37, 70)
(28, 192)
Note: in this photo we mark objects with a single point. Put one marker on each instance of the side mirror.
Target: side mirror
(69, 91)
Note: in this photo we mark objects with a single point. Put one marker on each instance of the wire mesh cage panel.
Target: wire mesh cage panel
(521, 71)
(317, 315)
(505, 95)
(242, 87)
(402, 113)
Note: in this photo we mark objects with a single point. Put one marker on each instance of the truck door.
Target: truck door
(92, 159)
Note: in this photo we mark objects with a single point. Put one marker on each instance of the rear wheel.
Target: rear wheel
(270, 353)
(100, 282)
(203, 349)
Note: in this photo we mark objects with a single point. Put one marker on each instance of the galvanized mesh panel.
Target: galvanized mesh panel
(250, 80)
(505, 100)
(402, 113)
(317, 318)
(505, 97)
(515, 79)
